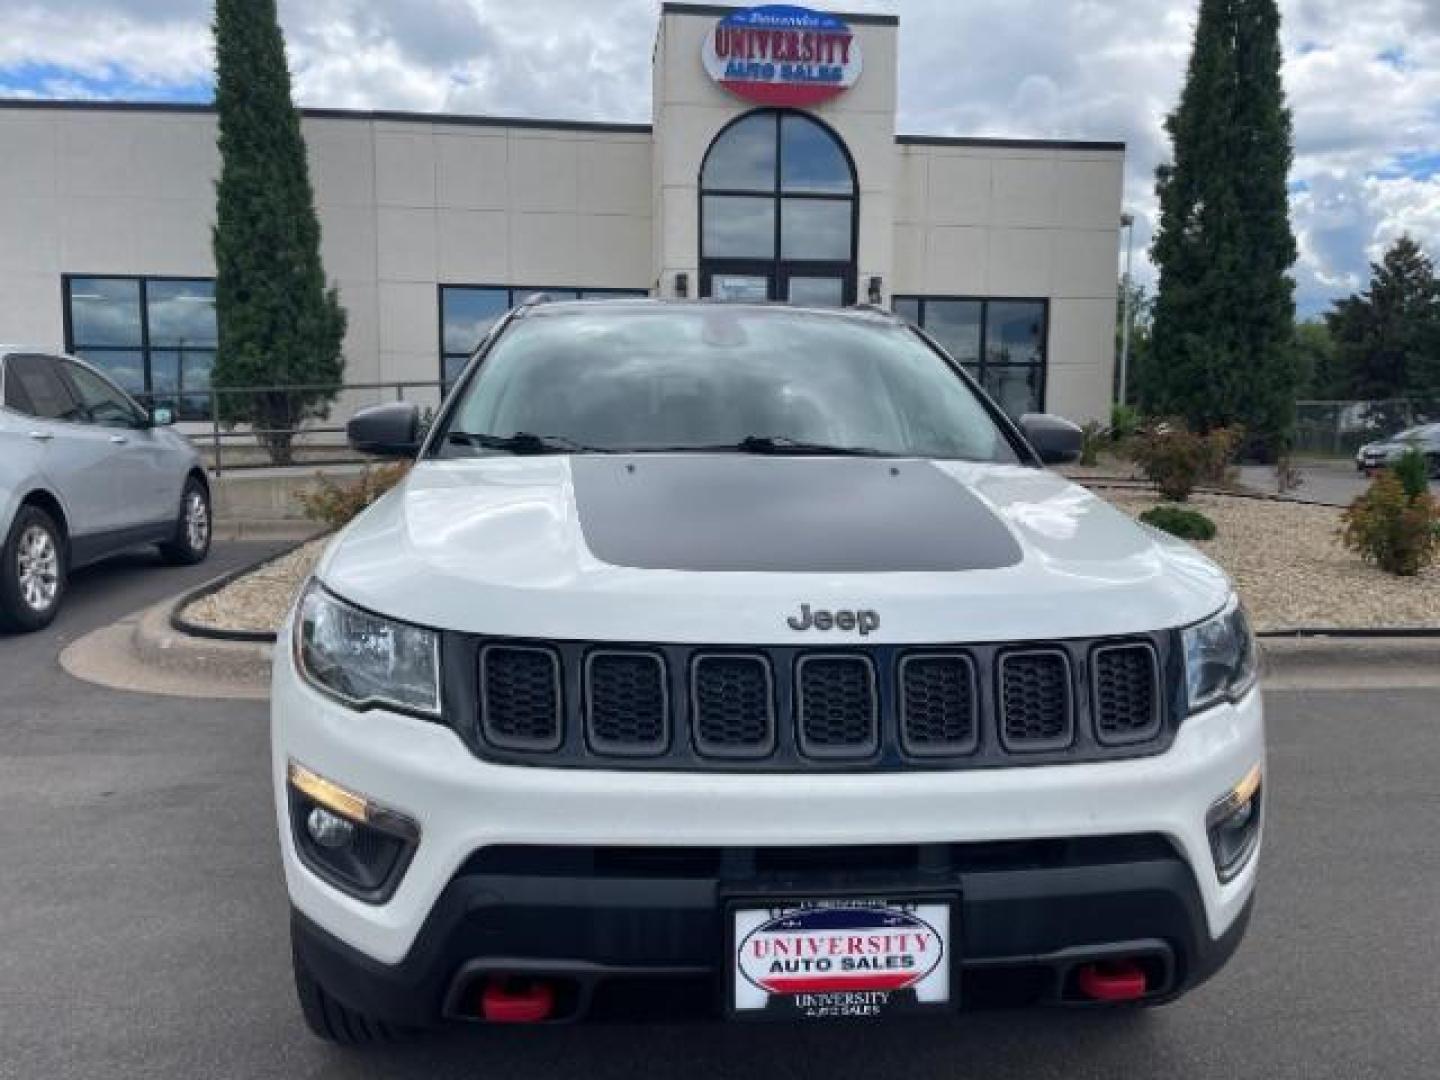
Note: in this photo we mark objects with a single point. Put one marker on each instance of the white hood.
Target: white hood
(498, 545)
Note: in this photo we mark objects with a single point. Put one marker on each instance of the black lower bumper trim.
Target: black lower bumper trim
(610, 931)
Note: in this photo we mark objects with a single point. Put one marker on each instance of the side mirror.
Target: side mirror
(386, 430)
(161, 417)
(1055, 440)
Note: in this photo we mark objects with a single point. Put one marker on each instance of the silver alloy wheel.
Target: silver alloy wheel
(197, 521)
(39, 566)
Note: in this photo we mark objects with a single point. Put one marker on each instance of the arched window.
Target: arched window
(778, 206)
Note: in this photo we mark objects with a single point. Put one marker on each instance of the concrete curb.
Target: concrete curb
(1339, 661)
(142, 653)
(157, 643)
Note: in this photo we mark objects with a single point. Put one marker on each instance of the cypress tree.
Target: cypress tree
(279, 325)
(1225, 314)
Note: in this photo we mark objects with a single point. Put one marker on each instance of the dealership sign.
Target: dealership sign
(783, 55)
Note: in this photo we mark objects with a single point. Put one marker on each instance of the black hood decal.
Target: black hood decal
(734, 512)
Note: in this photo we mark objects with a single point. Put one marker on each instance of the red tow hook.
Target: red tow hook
(1112, 980)
(505, 1001)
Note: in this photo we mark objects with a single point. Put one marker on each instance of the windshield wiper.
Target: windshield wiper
(522, 442)
(782, 445)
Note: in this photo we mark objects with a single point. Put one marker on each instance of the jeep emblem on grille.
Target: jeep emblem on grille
(865, 621)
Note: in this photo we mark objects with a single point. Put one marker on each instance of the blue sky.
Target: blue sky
(1363, 79)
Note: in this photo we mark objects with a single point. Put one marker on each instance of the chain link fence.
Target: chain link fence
(1340, 428)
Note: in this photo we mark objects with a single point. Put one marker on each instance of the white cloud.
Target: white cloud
(1364, 80)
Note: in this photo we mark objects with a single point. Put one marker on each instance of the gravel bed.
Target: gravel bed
(1292, 571)
(1286, 560)
(258, 601)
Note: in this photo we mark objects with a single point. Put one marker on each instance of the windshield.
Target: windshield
(612, 378)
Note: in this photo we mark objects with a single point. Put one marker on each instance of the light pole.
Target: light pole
(1127, 222)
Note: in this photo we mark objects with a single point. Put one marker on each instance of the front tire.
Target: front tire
(194, 528)
(32, 572)
(333, 1022)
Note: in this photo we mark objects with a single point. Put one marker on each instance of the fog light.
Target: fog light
(1234, 826)
(347, 838)
(328, 830)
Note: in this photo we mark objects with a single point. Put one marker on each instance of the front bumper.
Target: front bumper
(646, 937)
(467, 806)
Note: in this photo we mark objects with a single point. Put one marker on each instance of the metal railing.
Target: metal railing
(311, 440)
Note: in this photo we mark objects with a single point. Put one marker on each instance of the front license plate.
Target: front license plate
(840, 958)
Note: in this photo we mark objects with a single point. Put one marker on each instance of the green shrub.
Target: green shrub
(1124, 422)
(1391, 528)
(1180, 521)
(337, 503)
(1176, 459)
(1413, 471)
(1091, 436)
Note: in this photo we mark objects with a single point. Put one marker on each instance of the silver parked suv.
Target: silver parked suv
(85, 472)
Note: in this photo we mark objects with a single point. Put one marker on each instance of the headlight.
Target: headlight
(1220, 658)
(363, 659)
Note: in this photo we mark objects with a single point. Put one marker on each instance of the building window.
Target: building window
(468, 311)
(156, 337)
(1000, 342)
(777, 212)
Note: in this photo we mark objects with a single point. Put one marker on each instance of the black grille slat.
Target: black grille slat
(520, 703)
(627, 706)
(1036, 710)
(939, 705)
(734, 706)
(1126, 693)
(838, 710)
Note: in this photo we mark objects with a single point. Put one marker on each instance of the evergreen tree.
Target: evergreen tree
(1317, 371)
(279, 324)
(1224, 318)
(1388, 337)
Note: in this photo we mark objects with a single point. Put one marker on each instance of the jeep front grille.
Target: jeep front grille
(1126, 692)
(520, 697)
(939, 705)
(575, 704)
(1036, 700)
(836, 705)
(626, 710)
(733, 702)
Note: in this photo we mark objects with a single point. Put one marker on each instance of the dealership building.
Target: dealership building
(771, 170)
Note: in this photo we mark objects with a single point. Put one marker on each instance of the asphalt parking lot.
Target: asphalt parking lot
(143, 917)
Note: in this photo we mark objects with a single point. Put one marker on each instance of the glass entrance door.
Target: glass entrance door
(752, 287)
(815, 286)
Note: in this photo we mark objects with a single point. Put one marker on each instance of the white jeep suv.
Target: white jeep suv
(747, 661)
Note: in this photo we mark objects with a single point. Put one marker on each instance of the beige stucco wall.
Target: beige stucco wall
(403, 205)
(995, 220)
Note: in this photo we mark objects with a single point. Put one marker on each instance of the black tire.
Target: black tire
(191, 545)
(17, 611)
(333, 1022)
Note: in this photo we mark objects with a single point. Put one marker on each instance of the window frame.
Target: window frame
(983, 364)
(146, 349)
(778, 264)
(583, 292)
